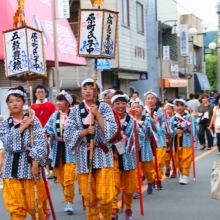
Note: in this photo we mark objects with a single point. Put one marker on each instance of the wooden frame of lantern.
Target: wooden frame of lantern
(24, 54)
(97, 30)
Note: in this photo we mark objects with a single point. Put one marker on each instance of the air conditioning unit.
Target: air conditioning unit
(218, 7)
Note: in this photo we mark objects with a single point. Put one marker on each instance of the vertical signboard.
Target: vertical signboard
(63, 9)
(184, 41)
(166, 52)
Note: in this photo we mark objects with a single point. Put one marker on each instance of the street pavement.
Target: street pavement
(174, 202)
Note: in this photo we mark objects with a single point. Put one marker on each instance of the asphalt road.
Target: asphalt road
(175, 202)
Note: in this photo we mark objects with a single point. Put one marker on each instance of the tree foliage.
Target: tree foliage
(211, 69)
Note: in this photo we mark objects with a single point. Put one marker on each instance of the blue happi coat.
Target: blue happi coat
(176, 123)
(145, 150)
(127, 161)
(53, 128)
(159, 135)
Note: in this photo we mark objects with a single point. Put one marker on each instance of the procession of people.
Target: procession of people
(165, 144)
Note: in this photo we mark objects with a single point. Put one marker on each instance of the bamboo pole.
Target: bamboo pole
(91, 144)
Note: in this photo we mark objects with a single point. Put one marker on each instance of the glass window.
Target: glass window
(140, 18)
(125, 12)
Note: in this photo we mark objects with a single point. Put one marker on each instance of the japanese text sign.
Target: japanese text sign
(166, 52)
(24, 52)
(63, 8)
(184, 44)
(97, 33)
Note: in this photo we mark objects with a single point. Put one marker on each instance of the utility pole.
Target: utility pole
(218, 49)
(56, 69)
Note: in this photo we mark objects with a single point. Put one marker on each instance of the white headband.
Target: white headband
(119, 96)
(137, 101)
(89, 80)
(179, 100)
(169, 104)
(150, 92)
(16, 91)
(104, 93)
(67, 96)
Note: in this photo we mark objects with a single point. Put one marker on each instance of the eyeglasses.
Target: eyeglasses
(40, 92)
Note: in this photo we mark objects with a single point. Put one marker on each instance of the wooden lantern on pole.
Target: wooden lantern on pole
(97, 30)
(24, 61)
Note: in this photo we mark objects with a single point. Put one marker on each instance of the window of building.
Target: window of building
(125, 13)
(140, 18)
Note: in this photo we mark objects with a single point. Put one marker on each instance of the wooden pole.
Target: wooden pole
(32, 144)
(36, 200)
(91, 144)
(170, 142)
(48, 194)
(30, 112)
(193, 149)
(138, 164)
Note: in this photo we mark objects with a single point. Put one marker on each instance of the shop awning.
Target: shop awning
(131, 76)
(201, 82)
(173, 82)
(183, 73)
(38, 14)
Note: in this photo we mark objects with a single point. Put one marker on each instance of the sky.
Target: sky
(204, 9)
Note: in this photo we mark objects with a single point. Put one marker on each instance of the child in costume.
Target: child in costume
(78, 131)
(124, 158)
(21, 166)
(64, 162)
(107, 95)
(145, 150)
(169, 111)
(180, 124)
(158, 140)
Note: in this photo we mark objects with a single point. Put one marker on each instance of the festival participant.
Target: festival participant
(43, 108)
(107, 95)
(2, 151)
(124, 158)
(158, 139)
(63, 160)
(180, 124)
(146, 155)
(21, 166)
(169, 110)
(78, 131)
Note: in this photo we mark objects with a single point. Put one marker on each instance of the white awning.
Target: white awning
(131, 76)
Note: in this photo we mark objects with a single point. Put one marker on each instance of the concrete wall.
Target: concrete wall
(152, 52)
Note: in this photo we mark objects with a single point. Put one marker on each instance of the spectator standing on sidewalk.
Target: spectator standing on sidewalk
(206, 111)
(216, 121)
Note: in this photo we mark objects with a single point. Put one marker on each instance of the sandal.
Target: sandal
(209, 148)
(55, 179)
(203, 147)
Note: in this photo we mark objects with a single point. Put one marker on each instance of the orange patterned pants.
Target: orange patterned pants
(18, 195)
(102, 191)
(125, 181)
(66, 175)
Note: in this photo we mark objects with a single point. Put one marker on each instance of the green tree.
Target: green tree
(211, 69)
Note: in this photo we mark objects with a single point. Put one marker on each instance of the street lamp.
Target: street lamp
(175, 30)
